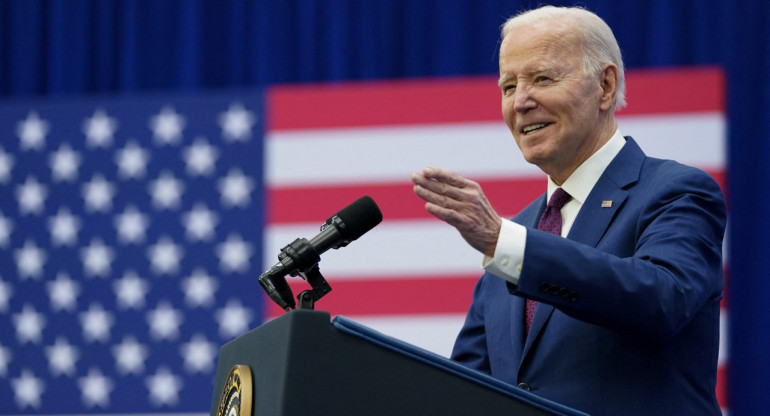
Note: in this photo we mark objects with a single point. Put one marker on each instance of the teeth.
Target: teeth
(533, 127)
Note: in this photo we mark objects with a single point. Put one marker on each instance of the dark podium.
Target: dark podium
(303, 364)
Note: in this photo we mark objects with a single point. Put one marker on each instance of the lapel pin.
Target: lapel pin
(607, 204)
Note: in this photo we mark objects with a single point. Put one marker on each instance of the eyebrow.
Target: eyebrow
(539, 70)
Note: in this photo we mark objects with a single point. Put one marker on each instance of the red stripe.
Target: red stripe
(429, 101)
(721, 389)
(383, 103)
(675, 90)
(396, 200)
(387, 296)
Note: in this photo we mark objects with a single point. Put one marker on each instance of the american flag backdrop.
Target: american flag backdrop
(132, 231)
(412, 276)
(130, 238)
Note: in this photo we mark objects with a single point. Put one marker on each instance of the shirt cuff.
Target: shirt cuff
(509, 252)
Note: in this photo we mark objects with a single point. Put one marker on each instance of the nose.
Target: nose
(522, 99)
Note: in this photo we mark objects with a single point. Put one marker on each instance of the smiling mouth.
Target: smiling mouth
(533, 127)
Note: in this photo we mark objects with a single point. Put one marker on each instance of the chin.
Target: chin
(536, 154)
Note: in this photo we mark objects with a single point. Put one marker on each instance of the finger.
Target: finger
(432, 197)
(450, 216)
(446, 185)
(446, 176)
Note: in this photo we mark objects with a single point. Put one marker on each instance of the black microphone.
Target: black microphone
(301, 255)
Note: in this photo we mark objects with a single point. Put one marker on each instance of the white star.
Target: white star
(129, 356)
(235, 189)
(234, 254)
(95, 389)
(96, 323)
(6, 228)
(32, 132)
(98, 193)
(27, 389)
(233, 319)
(199, 223)
(64, 228)
(97, 258)
(63, 293)
(6, 290)
(30, 260)
(31, 196)
(166, 191)
(131, 225)
(62, 357)
(164, 322)
(132, 161)
(29, 325)
(199, 354)
(199, 288)
(236, 123)
(130, 290)
(164, 387)
(165, 256)
(64, 163)
(200, 157)
(5, 359)
(6, 165)
(99, 129)
(167, 126)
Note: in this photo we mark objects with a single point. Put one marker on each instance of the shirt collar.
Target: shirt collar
(583, 179)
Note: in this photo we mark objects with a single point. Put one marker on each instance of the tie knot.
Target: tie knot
(559, 198)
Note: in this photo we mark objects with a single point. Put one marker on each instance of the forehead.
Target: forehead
(542, 45)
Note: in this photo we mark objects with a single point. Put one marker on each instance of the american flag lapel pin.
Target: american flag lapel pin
(607, 203)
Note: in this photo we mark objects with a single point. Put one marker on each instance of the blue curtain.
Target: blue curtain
(85, 47)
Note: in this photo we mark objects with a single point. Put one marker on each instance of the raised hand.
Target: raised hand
(461, 203)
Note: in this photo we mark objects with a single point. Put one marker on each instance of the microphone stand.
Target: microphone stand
(306, 299)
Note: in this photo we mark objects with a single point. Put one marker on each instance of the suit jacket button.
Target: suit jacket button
(524, 386)
(544, 287)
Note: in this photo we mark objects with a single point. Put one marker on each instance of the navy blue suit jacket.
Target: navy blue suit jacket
(629, 319)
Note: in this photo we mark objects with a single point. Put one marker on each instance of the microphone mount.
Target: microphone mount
(303, 260)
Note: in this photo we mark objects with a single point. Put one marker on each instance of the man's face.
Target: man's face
(552, 109)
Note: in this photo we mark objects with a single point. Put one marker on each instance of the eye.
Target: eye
(508, 89)
(542, 78)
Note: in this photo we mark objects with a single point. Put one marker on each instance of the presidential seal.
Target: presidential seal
(236, 396)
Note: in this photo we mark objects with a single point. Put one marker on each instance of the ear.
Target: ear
(608, 81)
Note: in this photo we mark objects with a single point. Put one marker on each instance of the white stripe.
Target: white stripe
(724, 353)
(477, 150)
(386, 154)
(391, 249)
(693, 139)
(435, 333)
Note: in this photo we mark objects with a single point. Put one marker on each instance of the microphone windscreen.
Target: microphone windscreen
(359, 217)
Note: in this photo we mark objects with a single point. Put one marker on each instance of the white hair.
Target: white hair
(597, 43)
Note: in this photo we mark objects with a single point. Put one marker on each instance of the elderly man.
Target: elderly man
(602, 294)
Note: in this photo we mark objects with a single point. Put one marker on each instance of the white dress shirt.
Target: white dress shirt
(509, 252)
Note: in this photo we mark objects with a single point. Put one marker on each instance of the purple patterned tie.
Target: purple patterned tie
(550, 222)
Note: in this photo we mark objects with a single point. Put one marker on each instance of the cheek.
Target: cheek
(509, 109)
(506, 109)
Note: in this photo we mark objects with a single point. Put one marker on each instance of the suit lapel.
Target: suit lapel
(594, 218)
(608, 195)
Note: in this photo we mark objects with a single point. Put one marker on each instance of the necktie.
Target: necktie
(550, 222)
